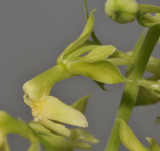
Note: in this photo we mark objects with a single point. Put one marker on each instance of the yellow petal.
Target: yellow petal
(58, 128)
(54, 109)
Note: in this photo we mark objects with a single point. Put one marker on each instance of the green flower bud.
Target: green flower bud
(121, 11)
(148, 20)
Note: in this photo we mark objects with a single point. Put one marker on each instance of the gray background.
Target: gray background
(32, 35)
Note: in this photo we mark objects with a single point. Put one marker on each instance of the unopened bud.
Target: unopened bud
(121, 11)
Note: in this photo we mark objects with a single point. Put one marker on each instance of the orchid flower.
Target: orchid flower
(48, 110)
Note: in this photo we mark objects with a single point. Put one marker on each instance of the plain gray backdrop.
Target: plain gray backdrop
(32, 35)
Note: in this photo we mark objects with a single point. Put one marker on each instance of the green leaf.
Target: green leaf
(54, 142)
(145, 97)
(81, 134)
(81, 104)
(102, 71)
(128, 138)
(153, 146)
(99, 53)
(83, 37)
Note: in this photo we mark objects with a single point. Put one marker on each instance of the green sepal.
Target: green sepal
(99, 53)
(154, 61)
(153, 146)
(145, 97)
(128, 138)
(152, 86)
(81, 104)
(83, 135)
(80, 51)
(82, 38)
(35, 146)
(54, 142)
(147, 20)
(101, 85)
(158, 119)
(4, 146)
(101, 71)
(9, 125)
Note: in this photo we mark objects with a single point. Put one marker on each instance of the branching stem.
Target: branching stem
(131, 89)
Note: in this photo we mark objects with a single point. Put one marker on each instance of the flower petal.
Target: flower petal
(53, 109)
(58, 128)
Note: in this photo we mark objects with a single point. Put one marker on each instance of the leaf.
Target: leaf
(153, 146)
(101, 71)
(82, 134)
(82, 38)
(128, 138)
(81, 104)
(145, 97)
(99, 53)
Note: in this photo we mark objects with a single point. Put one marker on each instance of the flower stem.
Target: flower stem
(149, 8)
(131, 89)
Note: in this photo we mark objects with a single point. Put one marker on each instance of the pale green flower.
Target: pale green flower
(49, 110)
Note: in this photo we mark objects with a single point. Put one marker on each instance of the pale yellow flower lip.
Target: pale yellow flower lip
(49, 109)
(53, 109)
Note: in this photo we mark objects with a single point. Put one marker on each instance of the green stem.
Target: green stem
(131, 89)
(149, 8)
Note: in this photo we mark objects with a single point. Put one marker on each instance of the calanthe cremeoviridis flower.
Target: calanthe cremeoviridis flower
(51, 113)
(48, 110)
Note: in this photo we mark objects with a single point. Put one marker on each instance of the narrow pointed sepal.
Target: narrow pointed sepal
(4, 143)
(153, 146)
(55, 127)
(81, 104)
(83, 135)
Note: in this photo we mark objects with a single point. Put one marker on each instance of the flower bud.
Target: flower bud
(148, 20)
(121, 11)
